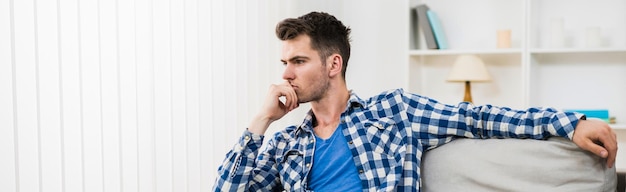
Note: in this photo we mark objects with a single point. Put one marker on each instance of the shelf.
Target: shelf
(618, 126)
(416, 52)
(578, 50)
(459, 52)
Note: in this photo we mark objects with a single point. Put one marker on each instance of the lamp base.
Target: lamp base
(468, 94)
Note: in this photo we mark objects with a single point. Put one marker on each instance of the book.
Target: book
(602, 114)
(424, 24)
(417, 38)
(435, 24)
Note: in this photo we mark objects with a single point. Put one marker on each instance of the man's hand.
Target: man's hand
(597, 137)
(273, 108)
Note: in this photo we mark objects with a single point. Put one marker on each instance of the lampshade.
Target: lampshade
(469, 68)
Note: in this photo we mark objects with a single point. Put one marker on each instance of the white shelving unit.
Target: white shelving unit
(619, 126)
(534, 71)
(531, 73)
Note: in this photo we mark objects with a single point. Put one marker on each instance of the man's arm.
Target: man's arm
(242, 169)
(592, 135)
(443, 122)
(438, 123)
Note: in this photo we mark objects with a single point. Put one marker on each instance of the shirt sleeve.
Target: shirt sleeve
(244, 170)
(436, 123)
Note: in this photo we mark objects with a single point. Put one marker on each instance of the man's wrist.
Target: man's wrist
(259, 125)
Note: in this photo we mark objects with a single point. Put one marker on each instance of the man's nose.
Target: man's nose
(288, 73)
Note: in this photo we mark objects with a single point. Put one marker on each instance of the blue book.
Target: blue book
(602, 114)
(440, 37)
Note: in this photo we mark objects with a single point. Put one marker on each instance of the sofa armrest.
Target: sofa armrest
(556, 164)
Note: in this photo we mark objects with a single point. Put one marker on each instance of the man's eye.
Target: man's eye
(299, 61)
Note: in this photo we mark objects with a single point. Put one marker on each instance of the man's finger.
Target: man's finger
(291, 99)
(595, 148)
(610, 145)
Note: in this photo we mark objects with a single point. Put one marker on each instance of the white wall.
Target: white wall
(142, 95)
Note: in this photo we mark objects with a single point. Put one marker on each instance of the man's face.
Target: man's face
(304, 70)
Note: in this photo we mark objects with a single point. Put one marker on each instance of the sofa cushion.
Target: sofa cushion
(556, 164)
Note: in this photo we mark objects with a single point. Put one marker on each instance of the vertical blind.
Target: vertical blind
(129, 95)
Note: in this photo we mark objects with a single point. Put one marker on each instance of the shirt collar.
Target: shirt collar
(353, 102)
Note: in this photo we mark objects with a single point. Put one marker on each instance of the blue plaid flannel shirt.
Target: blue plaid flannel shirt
(387, 135)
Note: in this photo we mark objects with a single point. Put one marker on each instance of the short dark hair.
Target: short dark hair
(328, 35)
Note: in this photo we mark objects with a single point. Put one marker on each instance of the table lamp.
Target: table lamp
(468, 68)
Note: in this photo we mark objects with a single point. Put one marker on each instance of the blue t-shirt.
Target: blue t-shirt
(333, 167)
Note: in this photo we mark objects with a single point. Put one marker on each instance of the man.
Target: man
(349, 144)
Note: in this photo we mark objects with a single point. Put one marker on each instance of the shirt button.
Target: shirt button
(350, 142)
(308, 165)
(360, 171)
(246, 138)
(312, 140)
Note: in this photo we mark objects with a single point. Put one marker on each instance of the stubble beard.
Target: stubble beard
(317, 90)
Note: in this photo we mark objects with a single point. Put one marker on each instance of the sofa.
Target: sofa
(555, 164)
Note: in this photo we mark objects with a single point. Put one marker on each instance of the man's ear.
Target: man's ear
(335, 64)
